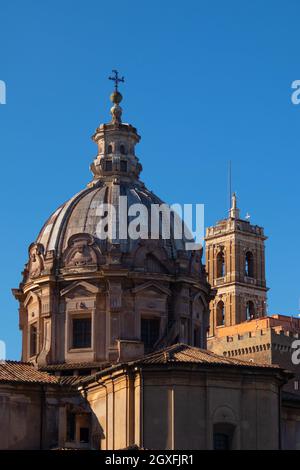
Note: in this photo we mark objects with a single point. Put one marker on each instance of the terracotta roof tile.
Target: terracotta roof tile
(182, 353)
(14, 371)
(72, 380)
(75, 365)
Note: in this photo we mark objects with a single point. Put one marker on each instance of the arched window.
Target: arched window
(220, 264)
(250, 310)
(249, 264)
(220, 317)
(122, 149)
(109, 149)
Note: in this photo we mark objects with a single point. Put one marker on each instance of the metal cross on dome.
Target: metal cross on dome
(116, 79)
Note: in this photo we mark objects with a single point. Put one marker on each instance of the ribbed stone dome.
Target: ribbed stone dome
(80, 214)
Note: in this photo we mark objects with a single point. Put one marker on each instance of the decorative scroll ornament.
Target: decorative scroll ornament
(36, 260)
(80, 251)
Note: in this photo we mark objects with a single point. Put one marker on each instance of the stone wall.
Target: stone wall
(290, 417)
(23, 414)
(178, 408)
(32, 416)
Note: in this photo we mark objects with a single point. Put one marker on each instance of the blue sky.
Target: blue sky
(206, 81)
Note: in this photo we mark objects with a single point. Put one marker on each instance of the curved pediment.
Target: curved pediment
(81, 252)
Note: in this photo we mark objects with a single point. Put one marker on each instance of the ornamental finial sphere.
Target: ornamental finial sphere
(116, 97)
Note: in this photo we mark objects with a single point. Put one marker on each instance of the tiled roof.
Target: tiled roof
(75, 365)
(72, 380)
(14, 371)
(182, 353)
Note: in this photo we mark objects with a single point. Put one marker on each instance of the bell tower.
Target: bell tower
(235, 262)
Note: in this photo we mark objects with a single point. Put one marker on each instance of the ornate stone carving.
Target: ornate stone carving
(150, 256)
(36, 260)
(81, 251)
(196, 262)
(114, 254)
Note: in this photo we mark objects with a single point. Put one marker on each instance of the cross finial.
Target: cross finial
(116, 79)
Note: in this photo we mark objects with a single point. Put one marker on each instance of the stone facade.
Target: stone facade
(180, 397)
(290, 419)
(174, 406)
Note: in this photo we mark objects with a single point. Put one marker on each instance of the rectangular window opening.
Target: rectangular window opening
(149, 332)
(71, 426)
(84, 435)
(33, 339)
(82, 333)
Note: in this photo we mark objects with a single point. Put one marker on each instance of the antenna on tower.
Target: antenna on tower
(229, 184)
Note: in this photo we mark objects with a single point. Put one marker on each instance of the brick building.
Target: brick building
(266, 340)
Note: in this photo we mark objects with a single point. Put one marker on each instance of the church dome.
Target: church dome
(94, 290)
(81, 215)
(116, 170)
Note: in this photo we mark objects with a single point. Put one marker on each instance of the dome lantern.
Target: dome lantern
(116, 144)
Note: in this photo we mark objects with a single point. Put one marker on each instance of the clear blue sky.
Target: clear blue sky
(206, 81)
